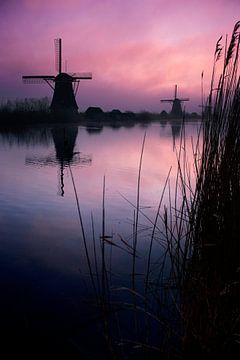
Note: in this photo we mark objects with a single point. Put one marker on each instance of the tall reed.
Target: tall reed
(188, 304)
(211, 282)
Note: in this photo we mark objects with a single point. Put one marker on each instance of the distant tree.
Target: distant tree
(194, 115)
(130, 115)
(93, 112)
(145, 116)
(163, 114)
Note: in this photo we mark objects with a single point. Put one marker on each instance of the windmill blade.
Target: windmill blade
(40, 79)
(83, 75)
(175, 92)
(58, 54)
(186, 99)
(167, 100)
(33, 81)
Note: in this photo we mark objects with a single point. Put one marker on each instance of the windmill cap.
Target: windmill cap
(63, 77)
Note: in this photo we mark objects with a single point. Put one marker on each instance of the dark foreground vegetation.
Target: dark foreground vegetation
(211, 282)
(187, 305)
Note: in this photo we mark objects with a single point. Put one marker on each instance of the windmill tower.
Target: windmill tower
(66, 84)
(176, 111)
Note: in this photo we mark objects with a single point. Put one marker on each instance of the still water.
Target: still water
(47, 301)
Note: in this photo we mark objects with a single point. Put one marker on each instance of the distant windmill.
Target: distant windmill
(66, 84)
(176, 111)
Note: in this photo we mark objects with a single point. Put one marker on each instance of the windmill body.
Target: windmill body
(176, 111)
(64, 85)
(63, 96)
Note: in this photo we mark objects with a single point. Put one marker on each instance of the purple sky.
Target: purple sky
(136, 49)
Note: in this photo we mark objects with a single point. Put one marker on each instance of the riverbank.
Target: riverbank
(91, 116)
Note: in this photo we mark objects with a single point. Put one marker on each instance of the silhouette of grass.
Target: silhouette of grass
(187, 305)
(211, 283)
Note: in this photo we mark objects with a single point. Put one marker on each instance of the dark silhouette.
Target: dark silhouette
(94, 112)
(115, 114)
(176, 127)
(163, 115)
(66, 84)
(64, 141)
(176, 111)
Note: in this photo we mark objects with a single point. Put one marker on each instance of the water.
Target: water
(47, 300)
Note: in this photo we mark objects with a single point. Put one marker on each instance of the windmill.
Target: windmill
(66, 84)
(176, 111)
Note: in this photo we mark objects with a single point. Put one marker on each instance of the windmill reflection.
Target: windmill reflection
(176, 127)
(64, 142)
(176, 130)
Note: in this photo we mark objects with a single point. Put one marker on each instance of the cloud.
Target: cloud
(135, 49)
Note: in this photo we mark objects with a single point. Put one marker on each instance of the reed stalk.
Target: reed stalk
(191, 294)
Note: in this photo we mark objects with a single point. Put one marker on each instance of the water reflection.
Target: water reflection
(43, 253)
(94, 129)
(64, 142)
(176, 127)
(29, 136)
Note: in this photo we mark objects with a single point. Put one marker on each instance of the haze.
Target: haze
(136, 50)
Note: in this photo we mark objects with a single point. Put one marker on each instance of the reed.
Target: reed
(201, 236)
(25, 105)
(188, 303)
(211, 282)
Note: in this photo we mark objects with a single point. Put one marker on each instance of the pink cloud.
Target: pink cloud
(136, 50)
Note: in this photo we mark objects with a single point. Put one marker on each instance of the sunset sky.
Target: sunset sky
(136, 49)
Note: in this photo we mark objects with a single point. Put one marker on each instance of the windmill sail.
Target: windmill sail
(65, 84)
(167, 100)
(34, 81)
(58, 55)
(83, 75)
(39, 79)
